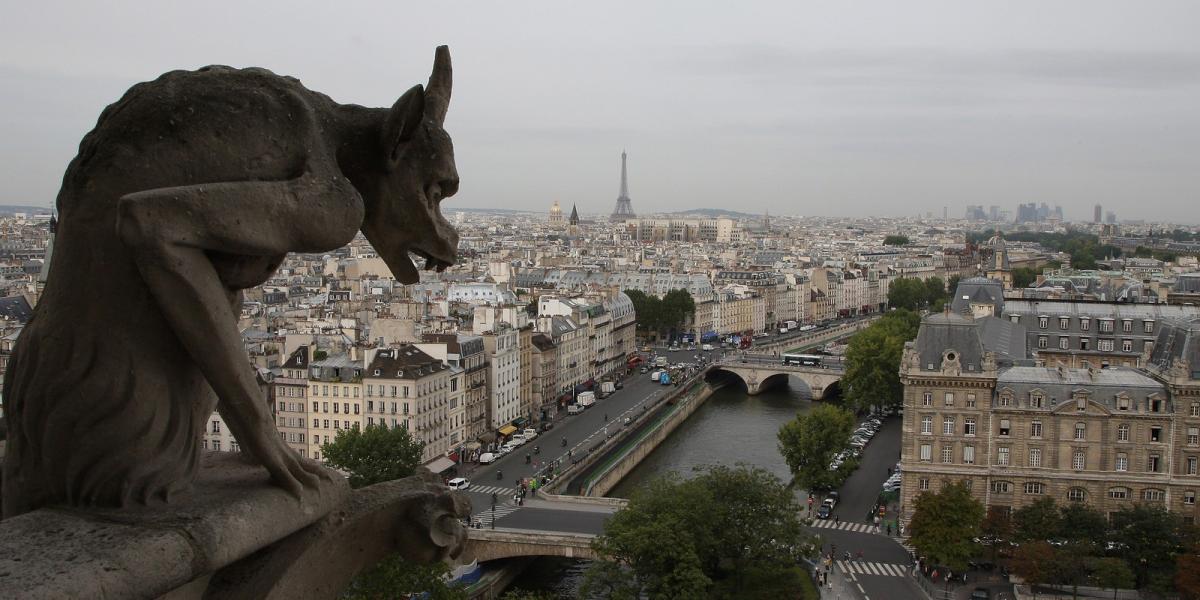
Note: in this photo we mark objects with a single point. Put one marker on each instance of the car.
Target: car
(459, 483)
(644, 370)
(620, 385)
(487, 458)
(824, 511)
(981, 594)
(830, 501)
(547, 425)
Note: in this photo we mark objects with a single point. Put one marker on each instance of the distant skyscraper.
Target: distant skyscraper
(1096, 214)
(624, 209)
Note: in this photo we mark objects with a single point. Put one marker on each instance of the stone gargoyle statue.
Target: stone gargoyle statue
(191, 188)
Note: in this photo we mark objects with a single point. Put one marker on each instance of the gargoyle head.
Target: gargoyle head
(403, 214)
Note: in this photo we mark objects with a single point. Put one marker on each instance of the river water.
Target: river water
(731, 427)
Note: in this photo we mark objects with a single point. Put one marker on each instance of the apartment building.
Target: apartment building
(503, 375)
(408, 388)
(335, 398)
(289, 400)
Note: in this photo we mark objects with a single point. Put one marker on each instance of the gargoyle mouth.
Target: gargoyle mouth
(431, 262)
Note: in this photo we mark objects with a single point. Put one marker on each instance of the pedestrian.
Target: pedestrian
(837, 520)
(889, 529)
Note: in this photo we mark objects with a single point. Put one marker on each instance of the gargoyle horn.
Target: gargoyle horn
(437, 93)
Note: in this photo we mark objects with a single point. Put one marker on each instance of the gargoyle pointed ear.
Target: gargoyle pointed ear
(437, 98)
(402, 122)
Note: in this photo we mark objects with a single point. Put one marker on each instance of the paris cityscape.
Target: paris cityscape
(622, 361)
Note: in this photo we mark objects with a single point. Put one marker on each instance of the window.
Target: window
(1078, 459)
(926, 452)
(1193, 436)
(1037, 400)
(1122, 463)
(1043, 341)
(1104, 345)
(949, 399)
(1122, 402)
(1034, 487)
(1035, 457)
(1118, 493)
(1001, 487)
(1156, 405)
(927, 425)
(1005, 426)
(1189, 498)
(1148, 326)
(335, 404)
(968, 426)
(216, 445)
(325, 407)
(1156, 434)
(1191, 465)
(1127, 326)
(1006, 399)
(1080, 431)
(1002, 456)
(1083, 344)
(948, 426)
(1106, 326)
(1153, 495)
(216, 427)
(923, 484)
(327, 423)
(1035, 429)
(970, 400)
(1123, 432)
(1126, 345)
(1195, 409)
(1064, 342)
(1152, 463)
(927, 399)
(968, 455)
(1043, 322)
(1064, 323)
(1076, 494)
(947, 454)
(1085, 324)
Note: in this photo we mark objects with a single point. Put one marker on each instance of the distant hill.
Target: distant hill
(449, 210)
(715, 212)
(6, 209)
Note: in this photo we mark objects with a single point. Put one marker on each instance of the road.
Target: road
(883, 571)
(582, 431)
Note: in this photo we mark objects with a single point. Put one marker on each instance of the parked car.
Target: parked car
(824, 511)
(487, 458)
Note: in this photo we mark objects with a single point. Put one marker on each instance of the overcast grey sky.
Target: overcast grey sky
(828, 108)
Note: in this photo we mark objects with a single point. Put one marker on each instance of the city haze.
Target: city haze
(803, 109)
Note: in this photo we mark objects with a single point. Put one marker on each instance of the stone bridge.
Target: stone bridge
(761, 373)
(490, 544)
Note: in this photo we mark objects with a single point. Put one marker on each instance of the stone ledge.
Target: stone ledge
(141, 552)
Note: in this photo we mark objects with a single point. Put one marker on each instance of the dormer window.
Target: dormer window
(377, 372)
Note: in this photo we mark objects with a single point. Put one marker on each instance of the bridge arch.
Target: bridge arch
(761, 376)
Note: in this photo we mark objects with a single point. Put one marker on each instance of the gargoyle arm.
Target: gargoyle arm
(169, 230)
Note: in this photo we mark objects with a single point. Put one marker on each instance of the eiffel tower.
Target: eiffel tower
(624, 209)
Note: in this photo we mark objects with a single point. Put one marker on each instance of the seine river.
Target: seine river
(731, 427)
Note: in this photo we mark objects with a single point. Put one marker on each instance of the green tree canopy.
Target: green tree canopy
(374, 454)
(944, 523)
(1112, 574)
(1149, 538)
(895, 240)
(873, 361)
(1082, 524)
(676, 306)
(996, 529)
(725, 533)
(809, 441)
(1036, 563)
(1037, 521)
(907, 293)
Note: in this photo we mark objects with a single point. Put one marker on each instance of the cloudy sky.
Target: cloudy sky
(825, 108)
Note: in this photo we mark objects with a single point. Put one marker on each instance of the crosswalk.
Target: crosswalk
(858, 567)
(845, 526)
(487, 515)
(502, 492)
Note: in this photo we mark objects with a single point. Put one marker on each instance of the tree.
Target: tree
(676, 306)
(1082, 524)
(996, 528)
(374, 454)
(935, 293)
(944, 523)
(1149, 537)
(1037, 521)
(809, 441)
(952, 284)
(895, 240)
(729, 530)
(1034, 562)
(1187, 575)
(873, 361)
(907, 293)
(1113, 573)
(1023, 277)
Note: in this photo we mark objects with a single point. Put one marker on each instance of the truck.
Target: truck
(791, 325)
(656, 374)
(586, 399)
(607, 388)
(661, 361)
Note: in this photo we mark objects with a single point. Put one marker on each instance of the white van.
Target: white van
(574, 409)
(487, 458)
(530, 434)
(458, 483)
(707, 347)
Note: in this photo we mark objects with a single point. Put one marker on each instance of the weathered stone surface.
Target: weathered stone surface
(191, 188)
(417, 517)
(147, 551)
